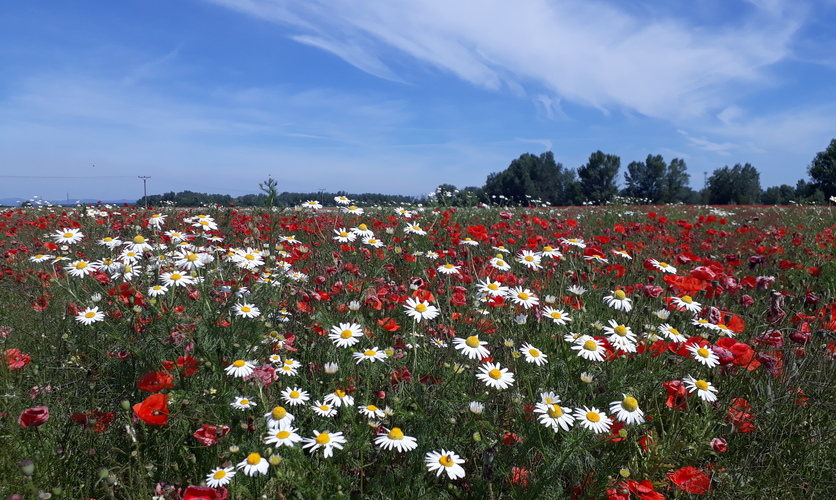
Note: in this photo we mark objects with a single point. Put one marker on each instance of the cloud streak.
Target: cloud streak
(592, 53)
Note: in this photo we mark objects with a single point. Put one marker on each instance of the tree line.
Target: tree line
(541, 180)
(285, 199)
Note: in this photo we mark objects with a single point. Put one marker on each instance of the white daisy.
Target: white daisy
(627, 410)
(362, 231)
(445, 461)
(549, 251)
(277, 416)
(323, 409)
(533, 355)
(493, 375)
(372, 355)
(371, 411)
(283, 435)
(246, 310)
(418, 310)
(449, 269)
(704, 389)
(590, 348)
(529, 259)
(157, 290)
(220, 476)
(346, 334)
(240, 368)
(559, 316)
(619, 301)
(242, 403)
(523, 297)
(254, 465)
(325, 440)
(339, 398)
(89, 316)
(662, 266)
(177, 279)
(68, 236)
(395, 439)
(686, 303)
(554, 416)
(577, 242)
(704, 355)
(592, 419)
(472, 347)
(294, 396)
(499, 263)
(344, 236)
(671, 333)
(492, 288)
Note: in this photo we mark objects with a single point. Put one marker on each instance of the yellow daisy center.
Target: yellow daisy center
(175, 276)
(495, 374)
(239, 363)
(294, 394)
(522, 296)
(395, 434)
(500, 262)
(446, 461)
(630, 403)
(352, 207)
(340, 393)
(363, 227)
(370, 352)
(278, 413)
(68, 235)
(448, 266)
(619, 295)
(372, 408)
(323, 438)
(555, 411)
(722, 327)
(620, 330)
(472, 341)
(493, 286)
(556, 315)
(343, 235)
(593, 417)
(701, 385)
(81, 265)
(139, 240)
(529, 258)
(703, 352)
(547, 249)
(245, 309)
(220, 474)
(346, 334)
(590, 345)
(420, 308)
(283, 434)
(89, 314)
(673, 331)
(534, 353)
(244, 402)
(191, 257)
(687, 299)
(253, 459)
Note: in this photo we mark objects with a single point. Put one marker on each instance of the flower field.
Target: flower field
(375, 352)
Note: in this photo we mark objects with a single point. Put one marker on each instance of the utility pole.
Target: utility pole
(145, 187)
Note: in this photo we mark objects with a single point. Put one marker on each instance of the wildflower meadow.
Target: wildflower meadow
(417, 352)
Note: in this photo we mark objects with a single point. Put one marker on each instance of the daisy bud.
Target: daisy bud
(27, 467)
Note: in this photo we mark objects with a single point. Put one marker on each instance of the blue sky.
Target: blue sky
(399, 97)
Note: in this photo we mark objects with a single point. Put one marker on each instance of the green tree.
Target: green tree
(269, 188)
(823, 170)
(779, 195)
(597, 177)
(645, 179)
(675, 182)
(530, 178)
(739, 185)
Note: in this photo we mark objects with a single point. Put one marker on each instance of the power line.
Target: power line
(64, 176)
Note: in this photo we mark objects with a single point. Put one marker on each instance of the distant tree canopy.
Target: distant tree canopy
(656, 181)
(597, 177)
(738, 185)
(286, 199)
(822, 170)
(532, 178)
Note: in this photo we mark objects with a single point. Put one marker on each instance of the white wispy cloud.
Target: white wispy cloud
(594, 53)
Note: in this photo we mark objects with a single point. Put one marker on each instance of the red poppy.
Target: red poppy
(209, 434)
(677, 394)
(644, 490)
(187, 363)
(15, 359)
(691, 480)
(205, 493)
(389, 324)
(719, 445)
(155, 381)
(154, 410)
(33, 417)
